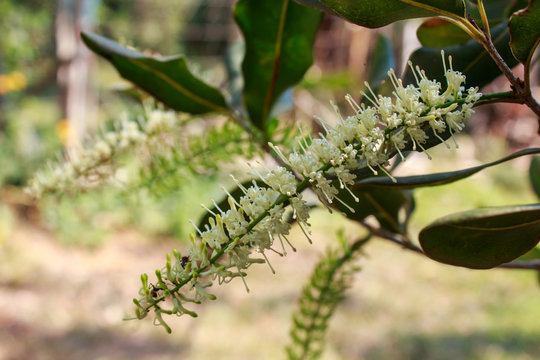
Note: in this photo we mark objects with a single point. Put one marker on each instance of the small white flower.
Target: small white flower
(282, 180)
(160, 121)
(102, 150)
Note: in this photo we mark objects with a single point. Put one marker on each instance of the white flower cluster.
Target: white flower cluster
(86, 168)
(227, 245)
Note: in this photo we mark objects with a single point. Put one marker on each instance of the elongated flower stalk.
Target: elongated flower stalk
(233, 238)
(91, 166)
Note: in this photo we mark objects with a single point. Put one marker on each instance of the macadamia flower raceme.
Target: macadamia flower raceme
(91, 166)
(239, 236)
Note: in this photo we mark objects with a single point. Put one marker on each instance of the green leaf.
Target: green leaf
(316, 4)
(496, 11)
(384, 204)
(471, 59)
(168, 79)
(500, 10)
(381, 61)
(515, 6)
(534, 174)
(525, 31)
(377, 13)
(279, 39)
(436, 179)
(483, 238)
(436, 32)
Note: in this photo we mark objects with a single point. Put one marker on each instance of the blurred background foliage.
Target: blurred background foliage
(44, 108)
(33, 101)
(34, 127)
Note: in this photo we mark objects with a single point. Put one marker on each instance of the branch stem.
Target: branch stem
(406, 243)
(522, 265)
(390, 236)
(520, 88)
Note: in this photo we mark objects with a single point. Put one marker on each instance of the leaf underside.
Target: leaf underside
(483, 238)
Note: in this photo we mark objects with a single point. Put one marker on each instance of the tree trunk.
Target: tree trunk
(77, 97)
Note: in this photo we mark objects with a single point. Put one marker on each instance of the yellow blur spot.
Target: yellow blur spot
(13, 81)
(19, 80)
(63, 130)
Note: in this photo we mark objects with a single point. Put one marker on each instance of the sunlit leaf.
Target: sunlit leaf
(168, 79)
(483, 238)
(377, 13)
(279, 39)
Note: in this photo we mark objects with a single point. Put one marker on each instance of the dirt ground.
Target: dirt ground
(59, 302)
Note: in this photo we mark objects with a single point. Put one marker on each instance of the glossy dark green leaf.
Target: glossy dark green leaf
(316, 4)
(525, 31)
(471, 59)
(381, 60)
(496, 10)
(377, 13)
(279, 37)
(436, 179)
(385, 204)
(436, 32)
(483, 238)
(534, 174)
(516, 5)
(168, 79)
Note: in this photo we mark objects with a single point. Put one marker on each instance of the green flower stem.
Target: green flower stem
(485, 21)
(497, 95)
(460, 21)
(283, 198)
(504, 96)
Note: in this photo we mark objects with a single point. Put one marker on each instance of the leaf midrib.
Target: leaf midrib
(177, 86)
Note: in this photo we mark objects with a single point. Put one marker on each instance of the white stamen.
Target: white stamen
(195, 226)
(344, 204)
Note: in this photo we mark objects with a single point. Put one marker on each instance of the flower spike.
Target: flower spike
(233, 238)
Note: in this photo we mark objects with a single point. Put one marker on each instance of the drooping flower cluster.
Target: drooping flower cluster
(228, 244)
(85, 168)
